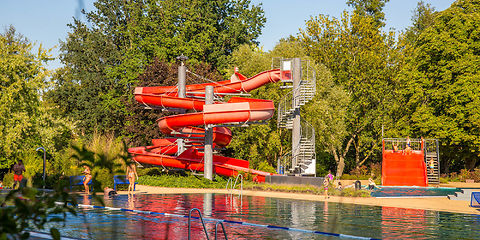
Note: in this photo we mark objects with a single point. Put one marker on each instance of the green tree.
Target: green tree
(22, 76)
(104, 56)
(441, 78)
(362, 60)
(326, 111)
(370, 8)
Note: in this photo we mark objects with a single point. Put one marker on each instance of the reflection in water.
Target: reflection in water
(86, 199)
(207, 204)
(356, 220)
(396, 220)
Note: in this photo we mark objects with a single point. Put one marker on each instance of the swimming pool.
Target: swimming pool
(409, 191)
(351, 219)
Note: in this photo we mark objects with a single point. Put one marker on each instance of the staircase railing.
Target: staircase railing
(293, 100)
(305, 152)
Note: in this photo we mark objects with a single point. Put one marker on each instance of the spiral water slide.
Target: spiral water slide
(237, 110)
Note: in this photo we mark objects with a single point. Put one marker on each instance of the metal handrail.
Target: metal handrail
(229, 180)
(241, 183)
(201, 218)
(216, 230)
(233, 185)
(307, 131)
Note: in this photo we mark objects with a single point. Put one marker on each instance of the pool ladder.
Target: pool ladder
(203, 224)
(233, 185)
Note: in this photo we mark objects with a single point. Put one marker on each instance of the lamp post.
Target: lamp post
(44, 160)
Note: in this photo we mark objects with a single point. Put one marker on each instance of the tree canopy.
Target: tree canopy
(22, 76)
(441, 78)
(104, 56)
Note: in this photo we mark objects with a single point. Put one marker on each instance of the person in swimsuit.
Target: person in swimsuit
(325, 187)
(87, 178)
(431, 166)
(131, 176)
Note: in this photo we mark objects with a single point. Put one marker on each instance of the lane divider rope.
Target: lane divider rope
(230, 221)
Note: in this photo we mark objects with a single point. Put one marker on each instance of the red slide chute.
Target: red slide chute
(236, 110)
(404, 168)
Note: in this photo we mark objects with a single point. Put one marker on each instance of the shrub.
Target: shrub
(175, 181)
(354, 177)
(351, 192)
(466, 174)
(8, 180)
(106, 157)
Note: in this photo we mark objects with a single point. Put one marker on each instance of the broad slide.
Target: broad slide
(237, 110)
(402, 168)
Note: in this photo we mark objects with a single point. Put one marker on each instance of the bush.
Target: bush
(465, 174)
(8, 180)
(354, 177)
(351, 192)
(188, 181)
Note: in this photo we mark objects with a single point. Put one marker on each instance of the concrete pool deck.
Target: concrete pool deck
(427, 203)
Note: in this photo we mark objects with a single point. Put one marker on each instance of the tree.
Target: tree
(361, 59)
(423, 17)
(369, 8)
(104, 56)
(441, 78)
(22, 76)
(325, 111)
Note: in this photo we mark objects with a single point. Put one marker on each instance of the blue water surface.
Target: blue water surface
(329, 217)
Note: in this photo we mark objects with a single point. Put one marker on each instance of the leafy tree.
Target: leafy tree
(370, 8)
(440, 81)
(22, 76)
(104, 56)
(423, 17)
(325, 111)
(361, 59)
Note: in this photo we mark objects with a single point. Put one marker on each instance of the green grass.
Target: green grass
(175, 181)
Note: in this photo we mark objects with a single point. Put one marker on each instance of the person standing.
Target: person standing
(87, 178)
(330, 176)
(18, 170)
(131, 176)
(325, 187)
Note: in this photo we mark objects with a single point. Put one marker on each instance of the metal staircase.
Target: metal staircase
(290, 164)
(432, 154)
(302, 156)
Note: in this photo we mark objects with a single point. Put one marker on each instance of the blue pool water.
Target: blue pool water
(413, 191)
(350, 219)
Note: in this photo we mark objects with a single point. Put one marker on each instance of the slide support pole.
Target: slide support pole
(208, 152)
(182, 73)
(296, 130)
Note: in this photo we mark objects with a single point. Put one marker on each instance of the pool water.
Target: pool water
(384, 191)
(351, 219)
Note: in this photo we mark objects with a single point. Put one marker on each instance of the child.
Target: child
(431, 166)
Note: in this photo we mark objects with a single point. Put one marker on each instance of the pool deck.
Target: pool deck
(428, 203)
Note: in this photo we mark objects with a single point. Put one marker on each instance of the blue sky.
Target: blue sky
(45, 22)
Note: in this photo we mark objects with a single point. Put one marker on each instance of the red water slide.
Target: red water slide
(404, 168)
(236, 110)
